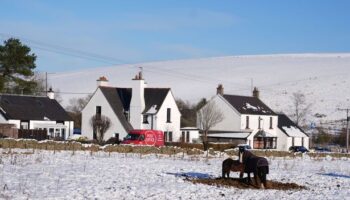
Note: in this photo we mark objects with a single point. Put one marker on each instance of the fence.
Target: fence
(32, 134)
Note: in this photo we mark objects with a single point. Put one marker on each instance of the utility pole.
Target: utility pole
(46, 83)
(347, 128)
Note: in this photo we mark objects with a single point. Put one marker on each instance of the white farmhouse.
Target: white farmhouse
(138, 107)
(248, 120)
(34, 112)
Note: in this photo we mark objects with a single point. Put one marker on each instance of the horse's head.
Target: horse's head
(240, 154)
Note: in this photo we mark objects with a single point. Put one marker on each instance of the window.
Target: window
(51, 131)
(292, 141)
(116, 135)
(270, 122)
(183, 136)
(188, 136)
(63, 133)
(247, 122)
(145, 119)
(168, 136)
(24, 125)
(259, 123)
(98, 112)
(168, 115)
(302, 141)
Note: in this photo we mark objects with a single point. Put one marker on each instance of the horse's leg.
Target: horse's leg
(256, 177)
(249, 181)
(263, 180)
(241, 174)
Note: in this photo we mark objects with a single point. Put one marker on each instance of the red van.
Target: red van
(145, 137)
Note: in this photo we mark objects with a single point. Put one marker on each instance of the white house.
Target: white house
(138, 107)
(34, 112)
(248, 120)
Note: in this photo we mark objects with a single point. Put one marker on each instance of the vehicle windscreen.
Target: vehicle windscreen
(132, 136)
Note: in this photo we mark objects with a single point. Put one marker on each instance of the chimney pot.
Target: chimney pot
(51, 94)
(220, 89)
(102, 81)
(256, 93)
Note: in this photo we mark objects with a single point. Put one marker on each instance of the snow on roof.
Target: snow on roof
(247, 105)
(293, 131)
(152, 110)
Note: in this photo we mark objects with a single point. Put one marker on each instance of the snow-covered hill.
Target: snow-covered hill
(323, 78)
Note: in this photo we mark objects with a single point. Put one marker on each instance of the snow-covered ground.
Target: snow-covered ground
(323, 78)
(45, 175)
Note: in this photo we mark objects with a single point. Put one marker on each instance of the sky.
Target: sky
(81, 34)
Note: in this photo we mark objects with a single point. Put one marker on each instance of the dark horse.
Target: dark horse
(231, 165)
(259, 166)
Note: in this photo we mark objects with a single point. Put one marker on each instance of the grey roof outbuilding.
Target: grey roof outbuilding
(20, 107)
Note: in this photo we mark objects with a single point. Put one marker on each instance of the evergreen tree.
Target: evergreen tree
(16, 67)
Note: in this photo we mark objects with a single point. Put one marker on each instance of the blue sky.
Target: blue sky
(74, 35)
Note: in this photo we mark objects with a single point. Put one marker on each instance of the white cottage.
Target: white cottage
(138, 107)
(34, 112)
(248, 120)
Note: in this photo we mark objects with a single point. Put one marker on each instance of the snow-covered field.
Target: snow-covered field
(45, 175)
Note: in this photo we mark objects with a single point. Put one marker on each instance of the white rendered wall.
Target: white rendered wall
(283, 141)
(98, 99)
(264, 123)
(232, 119)
(161, 117)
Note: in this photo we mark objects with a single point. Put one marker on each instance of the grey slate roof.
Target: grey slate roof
(31, 108)
(248, 105)
(284, 121)
(154, 96)
(120, 98)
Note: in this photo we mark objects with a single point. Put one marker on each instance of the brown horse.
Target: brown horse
(259, 166)
(231, 165)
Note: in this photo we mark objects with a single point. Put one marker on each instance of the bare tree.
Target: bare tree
(300, 108)
(75, 107)
(100, 125)
(207, 117)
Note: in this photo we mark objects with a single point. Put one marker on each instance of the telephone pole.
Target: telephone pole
(347, 128)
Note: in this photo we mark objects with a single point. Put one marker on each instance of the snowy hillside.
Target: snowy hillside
(323, 78)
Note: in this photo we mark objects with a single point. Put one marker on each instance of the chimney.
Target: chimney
(220, 89)
(256, 93)
(51, 94)
(137, 103)
(102, 82)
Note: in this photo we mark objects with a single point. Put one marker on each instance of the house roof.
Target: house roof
(248, 105)
(32, 108)
(120, 98)
(288, 127)
(154, 97)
